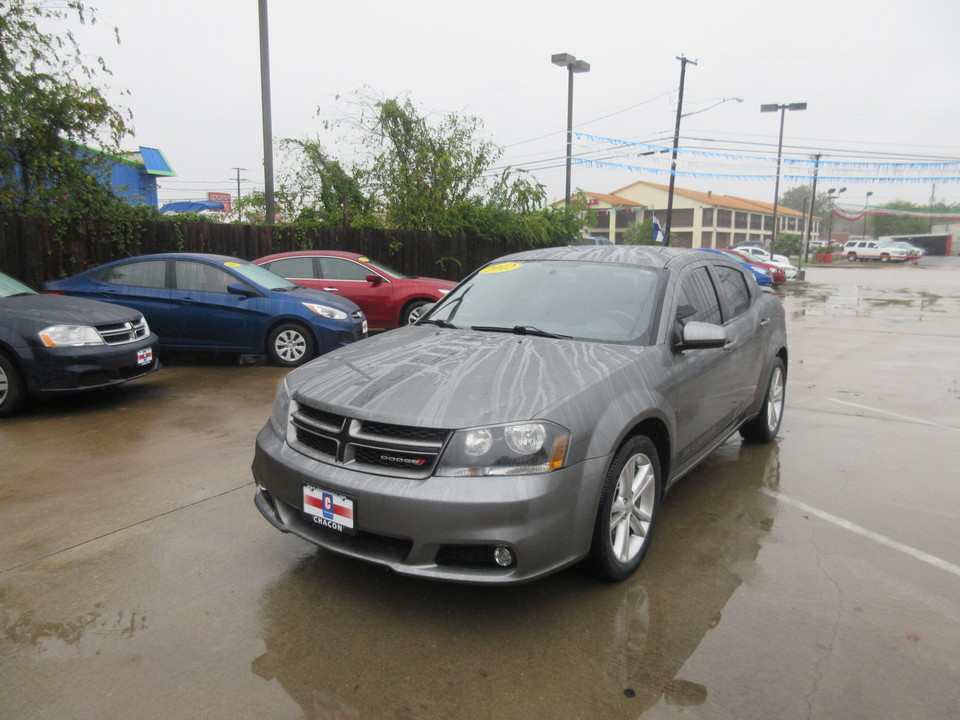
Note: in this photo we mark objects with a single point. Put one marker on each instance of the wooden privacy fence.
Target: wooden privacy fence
(31, 251)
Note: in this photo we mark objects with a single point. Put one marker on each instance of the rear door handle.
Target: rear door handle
(331, 290)
(764, 322)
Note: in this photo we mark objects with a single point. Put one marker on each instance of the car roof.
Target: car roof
(313, 253)
(641, 255)
(208, 257)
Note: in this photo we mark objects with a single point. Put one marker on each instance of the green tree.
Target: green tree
(318, 189)
(50, 109)
(640, 233)
(418, 169)
(901, 224)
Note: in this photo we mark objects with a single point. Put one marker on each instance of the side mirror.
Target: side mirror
(241, 290)
(374, 278)
(701, 335)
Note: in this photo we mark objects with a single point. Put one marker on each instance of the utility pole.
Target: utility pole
(265, 107)
(238, 180)
(676, 141)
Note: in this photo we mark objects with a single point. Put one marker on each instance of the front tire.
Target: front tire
(290, 345)
(765, 426)
(412, 311)
(628, 510)
(12, 390)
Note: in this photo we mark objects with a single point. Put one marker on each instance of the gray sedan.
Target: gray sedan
(531, 419)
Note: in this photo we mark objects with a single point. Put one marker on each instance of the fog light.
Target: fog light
(503, 556)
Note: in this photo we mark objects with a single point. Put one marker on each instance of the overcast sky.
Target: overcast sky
(880, 80)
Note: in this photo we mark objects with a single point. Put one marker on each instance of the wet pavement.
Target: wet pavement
(818, 577)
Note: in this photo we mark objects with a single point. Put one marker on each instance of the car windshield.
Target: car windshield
(12, 288)
(263, 277)
(587, 301)
(385, 269)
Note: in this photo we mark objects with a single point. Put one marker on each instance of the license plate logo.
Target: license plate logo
(329, 509)
(145, 357)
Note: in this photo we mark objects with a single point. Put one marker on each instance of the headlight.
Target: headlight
(281, 409)
(327, 312)
(517, 449)
(70, 336)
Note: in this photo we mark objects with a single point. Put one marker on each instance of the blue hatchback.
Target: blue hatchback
(206, 302)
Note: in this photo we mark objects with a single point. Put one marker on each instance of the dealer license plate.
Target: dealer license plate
(145, 357)
(329, 509)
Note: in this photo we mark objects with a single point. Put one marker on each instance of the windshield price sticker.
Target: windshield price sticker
(499, 268)
(329, 509)
(232, 264)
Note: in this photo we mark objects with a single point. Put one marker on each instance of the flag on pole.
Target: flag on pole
(657, 231)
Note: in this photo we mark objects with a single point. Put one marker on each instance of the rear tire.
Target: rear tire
(628, 510)
(12, 390)
(290, 345)
(765, 426)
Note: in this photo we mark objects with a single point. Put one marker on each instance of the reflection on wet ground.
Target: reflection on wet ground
(842, 298)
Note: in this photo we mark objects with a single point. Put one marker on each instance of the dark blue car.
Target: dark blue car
(205, 302)
(53, 345)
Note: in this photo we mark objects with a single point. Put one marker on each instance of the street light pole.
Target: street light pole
(833, 194)
(813, 201)
(776, 190)
(573, 66)
(866, 206)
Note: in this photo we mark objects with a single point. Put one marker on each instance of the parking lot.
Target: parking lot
(816, 577)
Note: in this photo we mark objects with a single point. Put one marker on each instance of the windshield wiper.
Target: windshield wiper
(519, 330)
(439, 323)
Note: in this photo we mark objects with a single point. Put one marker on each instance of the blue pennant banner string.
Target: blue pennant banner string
(865, 179)
(826, 165)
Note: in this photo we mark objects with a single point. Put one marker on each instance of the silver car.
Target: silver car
(531, 419)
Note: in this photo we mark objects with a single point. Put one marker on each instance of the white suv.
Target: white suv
(872, 250)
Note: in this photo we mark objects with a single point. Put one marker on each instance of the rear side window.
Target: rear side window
(145, 273)
(293, 267)
(698, 293)
(734, 289)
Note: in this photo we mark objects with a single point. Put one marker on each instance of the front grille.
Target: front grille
(375, 447)
(120, 333)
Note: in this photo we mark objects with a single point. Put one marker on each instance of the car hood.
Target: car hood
(432, 377)
(64, 310)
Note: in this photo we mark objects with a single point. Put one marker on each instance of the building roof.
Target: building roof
(723, 201)
(612, 199)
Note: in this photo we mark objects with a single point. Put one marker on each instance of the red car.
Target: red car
(388, 298)
(777, 273)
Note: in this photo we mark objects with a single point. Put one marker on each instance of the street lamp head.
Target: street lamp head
(869, 193)
(570, 62)
(773, 107)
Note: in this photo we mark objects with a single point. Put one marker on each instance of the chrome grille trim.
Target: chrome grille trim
(367, 446)
(125, 332)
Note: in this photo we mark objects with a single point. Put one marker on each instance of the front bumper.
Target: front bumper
(50, 371)
(439, 527)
